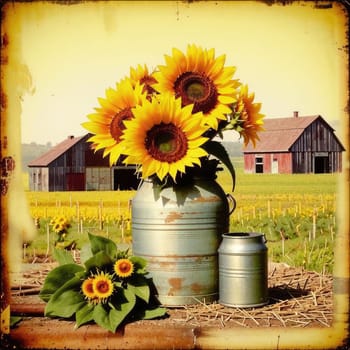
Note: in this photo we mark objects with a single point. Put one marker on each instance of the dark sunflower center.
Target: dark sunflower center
(117, 126)
(166, 143)
(89, 288)
(102, 286)
(196, 88)
(124, 267)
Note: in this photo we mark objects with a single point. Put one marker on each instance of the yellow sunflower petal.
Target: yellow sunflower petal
(87, 288)
(95, 128)
(226, 99)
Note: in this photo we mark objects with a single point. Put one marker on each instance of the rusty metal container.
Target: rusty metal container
(178, 230)
(243, 270)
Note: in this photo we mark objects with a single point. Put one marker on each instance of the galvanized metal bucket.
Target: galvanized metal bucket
(243, 270)
(178, 231)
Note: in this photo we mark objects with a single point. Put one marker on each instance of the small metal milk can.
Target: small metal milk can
(243, 270)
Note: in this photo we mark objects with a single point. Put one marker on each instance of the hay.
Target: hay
(297, 298)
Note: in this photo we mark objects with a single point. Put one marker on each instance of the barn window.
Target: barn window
(259, 165)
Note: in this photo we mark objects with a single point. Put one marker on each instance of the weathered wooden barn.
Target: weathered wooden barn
(295, 145)
(73, 165)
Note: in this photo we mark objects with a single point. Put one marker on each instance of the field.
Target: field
(297, 214)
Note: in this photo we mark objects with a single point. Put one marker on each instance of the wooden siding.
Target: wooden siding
(39, 179)
(278, 163)
(94, 159)
(57, 178)
(98, 179)
(318, 137)
(317, 150)
(283, 163)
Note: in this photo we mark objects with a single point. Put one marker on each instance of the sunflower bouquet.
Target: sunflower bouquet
(109, 288)
(166, 122)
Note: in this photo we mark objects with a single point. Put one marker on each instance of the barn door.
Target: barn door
(75, 182)
(274, 166)
(321, 163)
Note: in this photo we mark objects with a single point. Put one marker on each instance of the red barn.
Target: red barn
(295, 145)
(73, 166)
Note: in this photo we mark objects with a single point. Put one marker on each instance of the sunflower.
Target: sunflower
(58, 227)
(102, 286)
(63, 221)
(107, 123)
(200, 79)
(123, 268)
(250, 118)
(163, 137)
(142, 76)
(88, 289)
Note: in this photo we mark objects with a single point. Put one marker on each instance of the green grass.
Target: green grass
(272, 184)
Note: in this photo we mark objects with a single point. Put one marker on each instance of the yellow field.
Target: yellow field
(297, 214)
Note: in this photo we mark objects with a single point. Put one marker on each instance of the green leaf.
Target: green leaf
(99, 260)
(101, 317)
(85, 252)
(143, 311)
(65, 303)
(128, 305)
(139, 286)
(216, 149)
(139, 264)
(123, 303)
(63, 256)
(57, 278)
(157, 189)
(99, 243)
(154, 313)
(111, 318)
(84, 315)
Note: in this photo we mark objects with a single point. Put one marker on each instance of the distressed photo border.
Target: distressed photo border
(15, 83)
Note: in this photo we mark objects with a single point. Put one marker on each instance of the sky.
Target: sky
(291, 56)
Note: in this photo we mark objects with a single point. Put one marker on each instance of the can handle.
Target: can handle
(231, 202)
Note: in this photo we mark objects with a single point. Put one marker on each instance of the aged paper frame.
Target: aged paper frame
(16, 83)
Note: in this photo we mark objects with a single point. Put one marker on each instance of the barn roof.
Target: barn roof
(280, 134)
(55, 152)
